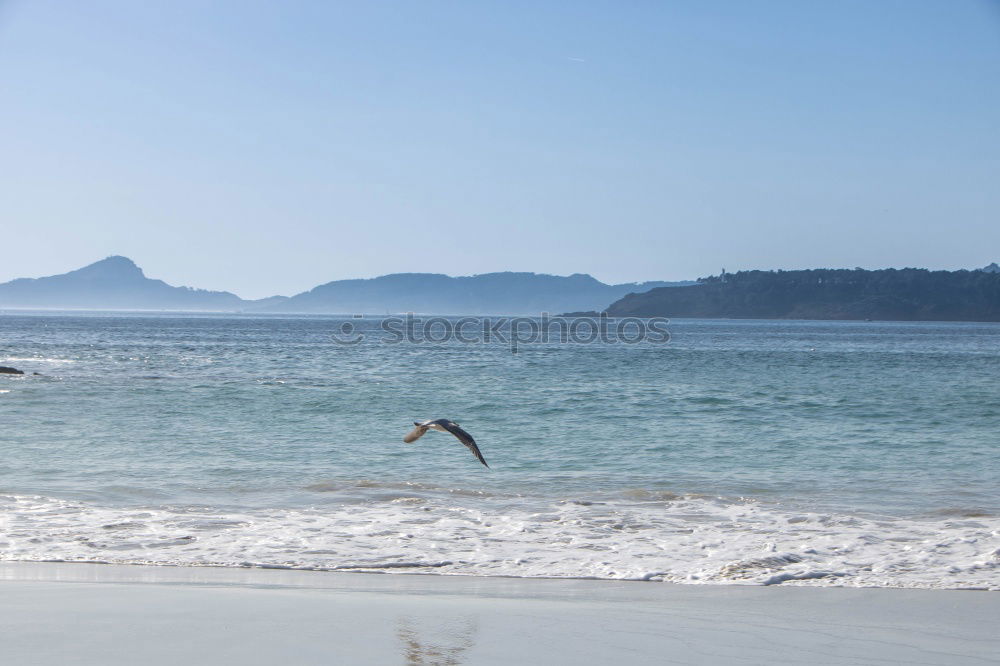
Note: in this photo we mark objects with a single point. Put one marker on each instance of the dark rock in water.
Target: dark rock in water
(4, 370)
(37, 374)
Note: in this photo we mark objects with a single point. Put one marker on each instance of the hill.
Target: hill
(112, 283)
(117, 283)
(909, 294)
(489, 293)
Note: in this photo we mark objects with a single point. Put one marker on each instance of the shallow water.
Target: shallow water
(827, 453)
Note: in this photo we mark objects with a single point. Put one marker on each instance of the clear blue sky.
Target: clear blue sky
(266, 147)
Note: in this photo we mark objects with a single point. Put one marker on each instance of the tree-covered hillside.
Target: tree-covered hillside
(909, 294)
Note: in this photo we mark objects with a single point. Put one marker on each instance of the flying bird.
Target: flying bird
(444, 425)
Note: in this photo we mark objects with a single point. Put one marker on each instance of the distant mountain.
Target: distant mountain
(262, 303)
(489, 293)
(910, 294)
(112, 283)
(116, 283)
(992, 268)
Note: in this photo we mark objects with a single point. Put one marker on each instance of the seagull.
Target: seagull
(444, 425)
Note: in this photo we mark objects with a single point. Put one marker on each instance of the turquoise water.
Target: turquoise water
(238, 440)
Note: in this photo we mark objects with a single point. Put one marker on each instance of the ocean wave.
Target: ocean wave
(35, 359)
(685, 539)
(403, 488)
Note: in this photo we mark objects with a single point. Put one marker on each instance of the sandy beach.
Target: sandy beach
(55, 613)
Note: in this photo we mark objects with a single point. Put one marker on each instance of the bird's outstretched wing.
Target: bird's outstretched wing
(463, 437)
(415, 434)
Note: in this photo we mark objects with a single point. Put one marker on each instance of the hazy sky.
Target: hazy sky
(266, 147)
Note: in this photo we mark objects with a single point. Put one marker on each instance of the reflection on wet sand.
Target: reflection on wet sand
(441, 642)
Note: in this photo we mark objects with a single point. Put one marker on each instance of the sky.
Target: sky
(267, 147)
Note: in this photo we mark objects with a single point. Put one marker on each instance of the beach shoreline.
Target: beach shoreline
(57, 613)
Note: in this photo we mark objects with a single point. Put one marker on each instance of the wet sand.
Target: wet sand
(53, 613)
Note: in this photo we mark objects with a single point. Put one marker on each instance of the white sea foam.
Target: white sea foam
(683, 540)
(35, 359)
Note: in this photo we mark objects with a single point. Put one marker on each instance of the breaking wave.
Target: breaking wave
(679, 539)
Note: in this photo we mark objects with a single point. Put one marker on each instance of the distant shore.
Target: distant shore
(56, 613)
(910, 294)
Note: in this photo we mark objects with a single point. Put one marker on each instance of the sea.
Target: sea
(738, 452)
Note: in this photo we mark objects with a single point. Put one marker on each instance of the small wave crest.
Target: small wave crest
(373, 488)
(37, 359)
